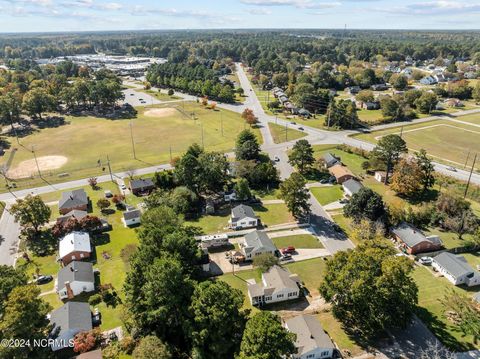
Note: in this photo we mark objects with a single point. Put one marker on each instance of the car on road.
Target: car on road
(324, 181)
(425, 261)
(276, 159)
(293, 123)
(140, 99)
(132, 94)
(123, 187)
(301, 128)
(343, 201)
(43, 279)
(287, 250)
(453, 169)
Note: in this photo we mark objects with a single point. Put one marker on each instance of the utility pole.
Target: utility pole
(133, 142)
(401, 132)
(286, 132)
(466, 162)
(276, 117)
(110, 169)
(36, 162)
(470, 176)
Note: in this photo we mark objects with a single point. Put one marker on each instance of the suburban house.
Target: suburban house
(369, 105)
(71, 200)
(312, 342)
(75, 279)
(256, 243)
(141, 186)
(413, 241)
(456, 269)
(341, 173)
(330, 160)
(67, 321)
(353, 90)
(379, 87)
(304, 113)
(428, 80)
(74, 246)
(230, 196)
(76, 214)
(351, 186)
(277, 285)
(213, 240)
(132, 216)
(243, 217)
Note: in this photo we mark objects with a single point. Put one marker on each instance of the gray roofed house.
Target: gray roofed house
(351, 186)
(73, 200)
(277, 285)
(256, 243)
(74, 279)
(330, 160)
(456, 269)
(141, 186)
(243, 217)
(77, 214)
(414, 241)
(312, 341)
(132, 217)
(69, 320)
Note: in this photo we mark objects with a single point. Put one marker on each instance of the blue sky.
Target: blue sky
(87, 15)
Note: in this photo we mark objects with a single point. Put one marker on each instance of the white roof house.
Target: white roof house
(312, 341)
(73, 243)
(256, 243)
(456, 269)
(277, 285)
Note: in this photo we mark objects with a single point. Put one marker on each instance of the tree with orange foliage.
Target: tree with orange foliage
(86, 341)
(213, 105)
(249, 116)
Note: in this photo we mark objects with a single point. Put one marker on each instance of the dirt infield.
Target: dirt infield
(29, 167)
(160, 112)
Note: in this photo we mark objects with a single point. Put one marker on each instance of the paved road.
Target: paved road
(9, 238)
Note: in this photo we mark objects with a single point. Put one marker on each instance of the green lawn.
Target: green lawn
(212, 223)
(83, 141)
(432, 312)
(351, 160)
(273, 214)
(370, 117)
(298, 241)
(327, 194)
(162, 96)
(112, 270)
(282, 134)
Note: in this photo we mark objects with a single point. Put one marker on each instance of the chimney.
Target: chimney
(69, 290)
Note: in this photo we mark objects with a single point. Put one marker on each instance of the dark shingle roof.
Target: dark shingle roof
(243, 211)
(76, 271)
(135, 213)
(141, 183)
(71, 199)
(412, 236)
(72, 316)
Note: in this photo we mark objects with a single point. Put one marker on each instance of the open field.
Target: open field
(298, 241)
(284, 133)
(432, 312)
(75, 149)
(112, 270)
(327, 194)
(446, 140)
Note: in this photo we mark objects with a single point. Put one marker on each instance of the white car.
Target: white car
(426, 261)
(453, 169)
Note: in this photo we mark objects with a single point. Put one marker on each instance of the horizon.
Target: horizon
(61, 16)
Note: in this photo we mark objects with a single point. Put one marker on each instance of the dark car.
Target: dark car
(43, 279)
(301, 128)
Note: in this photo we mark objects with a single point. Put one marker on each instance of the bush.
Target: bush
(95, 299)
(170, 92)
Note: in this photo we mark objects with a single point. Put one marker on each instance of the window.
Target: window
(325, 353)
(268, 298)
(279, 295)
(310, 356)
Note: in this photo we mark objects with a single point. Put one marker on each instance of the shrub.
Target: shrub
(95, 299)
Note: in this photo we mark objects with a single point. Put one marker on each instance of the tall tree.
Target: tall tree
(388, 150)
(249, 117)
(296, 196)
(366, 204)
(407, 178)
(217, 320)
(243, 190)
(32, 213)
(301, 156)
(427, 168)
(265, 337)
(10, 278)
(247, 147)
(370, 289)
(150, 347)
(38, 101)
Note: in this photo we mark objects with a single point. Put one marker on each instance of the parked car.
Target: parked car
(343, 201)
(286, 257)
(324, 181)
(293, 123)
(453, 169)
(276, 159)
(123, 187)
(426, 261)
(43, 279)
(301, 128)
(287, 250)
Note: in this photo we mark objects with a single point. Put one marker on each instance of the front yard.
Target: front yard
(298, 241)
(327, 194)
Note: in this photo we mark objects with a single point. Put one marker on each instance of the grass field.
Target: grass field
(298, 241)
(112, 270)
(83, 141)
(327, 194)
(432, 312)
(162, 96)
(446, 140)
(284, 134)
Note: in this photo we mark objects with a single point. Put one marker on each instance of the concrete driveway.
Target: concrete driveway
(9, 238)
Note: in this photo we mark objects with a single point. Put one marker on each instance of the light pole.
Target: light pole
(133, 142)
(36, 161)
(286, 132)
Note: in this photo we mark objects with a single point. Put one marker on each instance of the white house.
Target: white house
(428, 80)
(256, 243)
(243, 217)
(132, 217)
(67, 321)
(456, 269)
(74, 279)
(277, 285)
(213, 240)
(312, 342)
(74, 246)
(351, 186)
(230, 196)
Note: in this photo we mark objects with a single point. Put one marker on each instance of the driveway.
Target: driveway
(9, 238)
